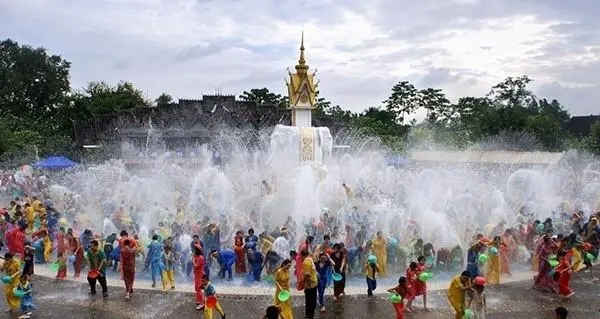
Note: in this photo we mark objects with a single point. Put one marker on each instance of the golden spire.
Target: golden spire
(302, 67)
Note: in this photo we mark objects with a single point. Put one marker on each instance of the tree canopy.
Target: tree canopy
(38, 107)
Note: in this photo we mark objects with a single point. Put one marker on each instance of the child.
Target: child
(476, 300)
(272, 312)
(28, 259)
(564, 271)
(401, 289)
(561, 312)
(61, 274)
(27, 300)
(371, 268)
(168, 273)
(209, 291)
(420, 287)
(411, 278)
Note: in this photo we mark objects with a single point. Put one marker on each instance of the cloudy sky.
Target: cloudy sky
(361, 48)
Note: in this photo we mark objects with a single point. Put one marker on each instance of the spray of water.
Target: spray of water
(448, 203)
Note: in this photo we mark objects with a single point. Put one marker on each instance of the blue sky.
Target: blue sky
(361, 48)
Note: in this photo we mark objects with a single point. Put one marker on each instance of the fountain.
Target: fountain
(295, 175)
(299, 152)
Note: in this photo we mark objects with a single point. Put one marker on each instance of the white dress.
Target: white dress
(477, 306)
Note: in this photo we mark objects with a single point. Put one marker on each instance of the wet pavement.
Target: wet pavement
(69, 300)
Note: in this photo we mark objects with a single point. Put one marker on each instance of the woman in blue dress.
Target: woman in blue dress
(324, 270)
(473, 259)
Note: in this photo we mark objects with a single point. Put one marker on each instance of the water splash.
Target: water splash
(447, 203)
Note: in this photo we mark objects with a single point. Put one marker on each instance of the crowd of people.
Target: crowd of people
(311, 257)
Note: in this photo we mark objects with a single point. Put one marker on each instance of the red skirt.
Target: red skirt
(399, 308)
(563, 284)
(419, 287)
(61, 273)
(240, 261)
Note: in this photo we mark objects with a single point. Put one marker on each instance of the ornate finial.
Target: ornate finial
(301, 67)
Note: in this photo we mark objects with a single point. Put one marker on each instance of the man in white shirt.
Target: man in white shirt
(281, 245)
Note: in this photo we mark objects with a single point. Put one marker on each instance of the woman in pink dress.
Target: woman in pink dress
(61, 246)
(199, 262)
(543, 280)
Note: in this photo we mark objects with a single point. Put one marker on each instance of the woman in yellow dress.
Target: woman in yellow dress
(492, 275)
(457, 291)
(12, 268)
(47, 247)
(282, 282)
(378, 246)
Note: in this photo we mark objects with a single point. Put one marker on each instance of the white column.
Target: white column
(302, 117)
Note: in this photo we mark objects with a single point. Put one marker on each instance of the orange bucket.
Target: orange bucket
(93, 273)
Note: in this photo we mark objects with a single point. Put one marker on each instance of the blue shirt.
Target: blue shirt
(209, 290)
(257, 259)
(251, 242)
(155, 251)
(471, 256)
(324, 271)
(226, 257)
(85, 241)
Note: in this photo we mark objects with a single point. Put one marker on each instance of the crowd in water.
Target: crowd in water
(36, 229)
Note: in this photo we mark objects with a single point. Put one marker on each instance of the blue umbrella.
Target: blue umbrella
(54, 162)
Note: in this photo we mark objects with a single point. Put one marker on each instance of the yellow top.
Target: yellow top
(11, 268)
(37, 204)
(378, 245)
(30, 214)
(371, 270)
(301, 88)
(308, 268)
(456, 288)
(282, 277)
(265, 245)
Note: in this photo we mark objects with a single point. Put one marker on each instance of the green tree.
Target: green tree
(594, 139)
(264, 97)
(100, 98)
(546, 130)
(381, 123)
(512, 93)
(403, 100)
(18, 147)
(164, 99)
(34, 84)
(472, 117)
(512, 105)
(324, 107)
(437, 105)
(554, 110)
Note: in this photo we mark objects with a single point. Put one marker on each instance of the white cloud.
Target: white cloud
(361, 48)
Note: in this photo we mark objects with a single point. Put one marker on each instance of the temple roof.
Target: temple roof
(302, 67)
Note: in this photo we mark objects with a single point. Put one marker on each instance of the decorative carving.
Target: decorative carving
(307, 145)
